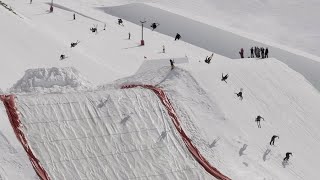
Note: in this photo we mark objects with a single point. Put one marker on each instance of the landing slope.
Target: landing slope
(114, 134)
(283, 97)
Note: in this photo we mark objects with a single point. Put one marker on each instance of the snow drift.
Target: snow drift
(51, 80)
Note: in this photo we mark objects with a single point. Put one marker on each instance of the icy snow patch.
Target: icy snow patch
(51, 80)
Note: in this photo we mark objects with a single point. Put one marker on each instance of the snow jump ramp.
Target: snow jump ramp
(114, 134)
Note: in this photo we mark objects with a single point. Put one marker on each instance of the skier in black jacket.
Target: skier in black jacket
(286, 159)
(272, 139)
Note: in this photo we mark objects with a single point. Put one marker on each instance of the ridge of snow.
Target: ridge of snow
(53, 80)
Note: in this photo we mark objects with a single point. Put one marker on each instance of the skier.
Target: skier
(163, 49)
(258, 119)
(62, 57)
(286, 159)
(172, 63)
(129, 35)
(241, 53)
(224, 78)
(239, 94)
(73, 44)
(178, 36)
(74, 16)
(154, 25)
(94, 29)
(266, 53)
(208, 60)
(272, 139)
(252, 56)
(120, 22)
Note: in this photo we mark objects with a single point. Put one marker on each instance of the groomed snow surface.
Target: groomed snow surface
(78, 131)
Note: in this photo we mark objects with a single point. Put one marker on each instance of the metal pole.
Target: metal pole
(142, 41)
(142, 31)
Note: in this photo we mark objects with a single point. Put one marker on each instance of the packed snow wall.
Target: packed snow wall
(115, 134)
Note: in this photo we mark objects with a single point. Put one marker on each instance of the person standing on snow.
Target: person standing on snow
(241, 53)
(251, 50)
(262, 52)
(74, 16)
(163, 49)
(258, 119)
(286, 159)
(129, 35)
(172, 63)
(272, 139)
(266, 53)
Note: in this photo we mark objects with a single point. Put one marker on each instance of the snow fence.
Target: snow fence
(15, 122)
(115, 134)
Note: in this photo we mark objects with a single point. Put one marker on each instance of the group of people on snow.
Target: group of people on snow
(256, 52)
(259, 52)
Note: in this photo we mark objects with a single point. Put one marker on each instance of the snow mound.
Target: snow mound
(51, 80)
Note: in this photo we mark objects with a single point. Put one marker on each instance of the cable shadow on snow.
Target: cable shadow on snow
(133, 47)
(72, 11)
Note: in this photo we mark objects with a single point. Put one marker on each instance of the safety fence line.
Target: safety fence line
(173, 115)
(11, 109)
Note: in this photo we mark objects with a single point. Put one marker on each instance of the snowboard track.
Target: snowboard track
(15, 122)
(173, 115)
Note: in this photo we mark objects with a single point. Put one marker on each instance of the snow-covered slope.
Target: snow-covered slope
(220, 125)
(284, 98)
(102, 57)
